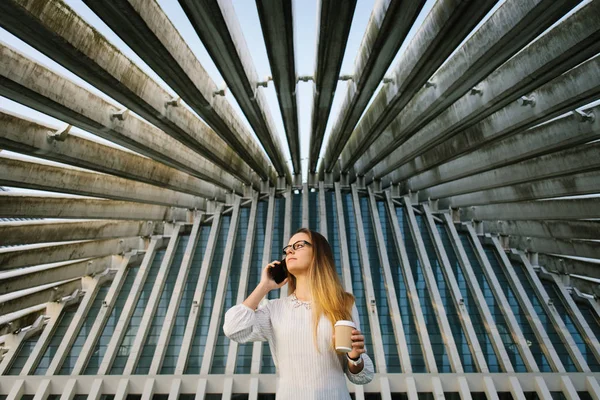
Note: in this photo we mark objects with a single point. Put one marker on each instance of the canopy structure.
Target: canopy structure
(454, 169)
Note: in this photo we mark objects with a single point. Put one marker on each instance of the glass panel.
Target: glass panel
(390, 347)
(495, 310)
(134, 322)
(109, 327)
(573, 329)
(333, 235)
(147, 351)
(84, 331)
(313, 211)
(411, 334)
(435, 337)
(244, 357)
(199, 339)
(456, 326)
(483, 337)
(521, 317)
(296, 211)
(65, 319)
(23, 354)
(358, 289)
(590, 316)
(231, 291)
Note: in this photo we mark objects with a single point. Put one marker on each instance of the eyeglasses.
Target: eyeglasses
(296, 246)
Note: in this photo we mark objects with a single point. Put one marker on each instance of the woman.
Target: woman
(299, 328)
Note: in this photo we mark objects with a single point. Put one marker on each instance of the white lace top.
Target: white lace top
(304, 373)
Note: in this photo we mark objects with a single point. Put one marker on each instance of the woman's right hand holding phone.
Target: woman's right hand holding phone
(267, 281)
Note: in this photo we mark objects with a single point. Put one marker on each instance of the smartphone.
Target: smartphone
(279, 272)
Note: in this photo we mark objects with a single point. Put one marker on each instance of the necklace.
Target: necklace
(298, 303)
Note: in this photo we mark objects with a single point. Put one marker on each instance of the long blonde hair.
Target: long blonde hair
(328, 295)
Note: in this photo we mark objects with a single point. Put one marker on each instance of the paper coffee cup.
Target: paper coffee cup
(343, 336)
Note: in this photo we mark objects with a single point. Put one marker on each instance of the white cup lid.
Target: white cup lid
(345, 323)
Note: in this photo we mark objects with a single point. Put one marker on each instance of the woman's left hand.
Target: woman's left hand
(358, 344)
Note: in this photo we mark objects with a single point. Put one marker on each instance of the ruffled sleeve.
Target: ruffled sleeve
(368, 372)
(242, 324)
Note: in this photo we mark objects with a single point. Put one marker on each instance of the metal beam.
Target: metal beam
(566, 265)
(521, 74)
(575, 160)
(26, 82)
(31, 175)
(80, 48)
(42, 296)
(277, 24)
(534, 210)
(22, 256)
(442, 30)
(216, 24)
(13, 205)
(333, 27)
(576, 184)
(25, 136)
(578, 248)
(28, 232)
(545, 229)
(388, 26)
(148, 31)
(31, 277)
(575, 88)
(565, 132)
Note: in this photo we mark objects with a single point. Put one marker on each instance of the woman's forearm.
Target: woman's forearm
(256, 296)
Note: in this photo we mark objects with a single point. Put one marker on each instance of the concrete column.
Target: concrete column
(69, 390)
(122, 389)
(17, 390)
(54, 293)
(175, 389)
(257, 347)
(243, 282)
(287, 231)
(457, 297)
(489, 388)
(373, 315)
(148, 391)
(91, 287)
(96, 331)
(322, 210)
(436, 299)
(591, 384)
(175, 299)
(568, 389)
(96, 390)
(192, 321)
(344, 252)
(395, 315)
(512, 323)
(553, 315)
(541, 388)
(539, 330)
(43, 390)
(132, 299)
(154, 298)
(484, 310)
(411, 288)
(217, 309)
(463, 388)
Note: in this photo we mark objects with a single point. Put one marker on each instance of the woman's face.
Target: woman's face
(298, 261)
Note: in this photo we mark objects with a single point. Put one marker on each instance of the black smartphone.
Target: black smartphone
(279, 272)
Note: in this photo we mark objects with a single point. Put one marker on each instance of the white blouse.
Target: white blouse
(304, 373)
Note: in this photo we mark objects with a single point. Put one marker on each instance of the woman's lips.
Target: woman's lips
(290, 259)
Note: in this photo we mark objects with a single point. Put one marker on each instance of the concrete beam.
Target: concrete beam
(219, 29)
(534, 210)
(148, 31)
(25, 136)
(20, 206)
(80, 48)
(31, 175)
(333, 27)
(545, 229)
(576, 184)
(570, 130)
(573, 89)
(17, 321)
(512, 26)
(565, 162)
(442, 30)
(26, 82)
(31, 277)
(23, 256)
(40, 297)
(387, 28)
(566, 265)
(277, 23)
(577, 248)
(28, 232)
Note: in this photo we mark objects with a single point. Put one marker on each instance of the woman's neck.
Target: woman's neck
(302, 291)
